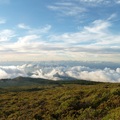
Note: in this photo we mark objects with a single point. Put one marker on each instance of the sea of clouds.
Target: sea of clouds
(62, 71)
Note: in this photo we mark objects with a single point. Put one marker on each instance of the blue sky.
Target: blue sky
(43, 30)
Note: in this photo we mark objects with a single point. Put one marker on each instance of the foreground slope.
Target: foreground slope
(63, 101)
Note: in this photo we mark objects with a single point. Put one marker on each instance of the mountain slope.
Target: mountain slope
(27, 81)
(61, 102)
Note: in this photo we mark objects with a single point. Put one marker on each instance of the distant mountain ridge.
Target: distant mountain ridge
(27, 81)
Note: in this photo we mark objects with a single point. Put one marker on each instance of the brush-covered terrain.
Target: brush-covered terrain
(38, 99)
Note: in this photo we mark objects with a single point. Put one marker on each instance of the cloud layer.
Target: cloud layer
(60, 72)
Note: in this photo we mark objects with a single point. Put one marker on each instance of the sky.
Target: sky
(54, 30)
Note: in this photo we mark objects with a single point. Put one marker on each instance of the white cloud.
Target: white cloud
(26, 44)
(98, 26)
(31, 42)
(27, 39)
(6, 35)
(11, 72)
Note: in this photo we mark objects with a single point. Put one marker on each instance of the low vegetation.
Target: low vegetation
(61, 101)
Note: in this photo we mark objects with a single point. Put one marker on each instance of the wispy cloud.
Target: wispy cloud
(41, 30)
(23, 26)
(80, 7)
(112, 16)
(99, 2)
(67, 8)
(93, 2)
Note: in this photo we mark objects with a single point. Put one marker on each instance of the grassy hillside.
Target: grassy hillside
(61, 101)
